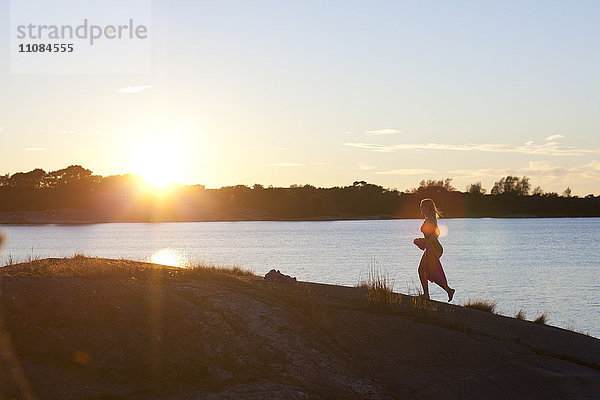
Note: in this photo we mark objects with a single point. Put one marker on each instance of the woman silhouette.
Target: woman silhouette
(430, 267)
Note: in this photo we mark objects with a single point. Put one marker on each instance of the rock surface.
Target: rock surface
(220, 336)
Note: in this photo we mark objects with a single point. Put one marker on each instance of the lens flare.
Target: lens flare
(443, 230)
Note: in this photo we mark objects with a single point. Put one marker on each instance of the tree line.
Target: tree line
(122, 198)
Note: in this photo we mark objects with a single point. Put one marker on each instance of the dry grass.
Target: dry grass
(485, 305)
(211, 267)
(379, 287)
(93, 267)
(11, 260)
(541, 319)
(520, 315)
(380, 294)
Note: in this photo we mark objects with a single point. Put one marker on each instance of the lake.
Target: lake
(541, 265)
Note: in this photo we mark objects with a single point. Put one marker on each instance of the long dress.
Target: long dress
(430, 262)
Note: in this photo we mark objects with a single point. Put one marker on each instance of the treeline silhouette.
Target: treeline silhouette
(59, 195)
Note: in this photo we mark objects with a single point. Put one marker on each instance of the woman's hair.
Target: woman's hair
(428, 207)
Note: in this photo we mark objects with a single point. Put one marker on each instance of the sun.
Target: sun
(159, 161)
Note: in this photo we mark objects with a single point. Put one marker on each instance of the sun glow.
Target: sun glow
(169, 257)
(443, 230)
(160, 161)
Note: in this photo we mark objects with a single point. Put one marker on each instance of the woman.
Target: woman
(430, 267)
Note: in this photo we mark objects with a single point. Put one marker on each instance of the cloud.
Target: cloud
(134, 89)
(365, 167)
(475, 172)
(35, 149)
(540, 169)
(553, 138)
(288, 164)
(387, 131)
(548, 149)
(407, 171)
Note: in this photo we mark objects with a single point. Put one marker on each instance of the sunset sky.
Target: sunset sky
(326, 93)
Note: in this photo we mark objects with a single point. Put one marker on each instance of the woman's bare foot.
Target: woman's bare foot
(450, 294)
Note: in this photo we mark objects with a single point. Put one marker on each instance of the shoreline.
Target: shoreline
(34, 218)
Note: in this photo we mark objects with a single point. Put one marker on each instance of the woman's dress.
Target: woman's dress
(430, 262)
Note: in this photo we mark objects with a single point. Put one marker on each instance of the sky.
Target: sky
(327, 93)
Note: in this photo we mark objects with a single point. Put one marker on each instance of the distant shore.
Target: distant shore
(117, 328)
(83, 217)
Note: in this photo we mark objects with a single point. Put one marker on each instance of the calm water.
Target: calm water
(538, 265)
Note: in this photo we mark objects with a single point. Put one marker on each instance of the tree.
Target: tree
(4, 180)
(475, 188)
(512, 185)
(31, 179)
(567, 192)
(66, 176)
(538, 191)
(431, 185)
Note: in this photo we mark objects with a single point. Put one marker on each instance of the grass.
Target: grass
(488, 306)
(93, 267)
(381, 297)
(379, 287)
(541, 319)
(211, 267)
(10, 259)
(520, 315)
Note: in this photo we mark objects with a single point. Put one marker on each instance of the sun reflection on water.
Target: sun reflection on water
(169, 257)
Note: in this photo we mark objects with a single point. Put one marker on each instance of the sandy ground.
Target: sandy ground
(220, 336)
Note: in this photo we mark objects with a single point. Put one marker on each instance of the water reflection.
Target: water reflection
(173, 258)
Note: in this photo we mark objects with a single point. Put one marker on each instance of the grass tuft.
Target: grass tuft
(520, 315)
(379, 287)
(202, 266)
(488, 306)
(541, 319)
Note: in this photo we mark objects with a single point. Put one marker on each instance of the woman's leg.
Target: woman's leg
(439, 277)
(448, 289)
(423, 275)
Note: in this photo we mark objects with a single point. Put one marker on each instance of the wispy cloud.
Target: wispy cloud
(134, 89)
(406, 171)
(554, 137)
(35, 149)
(386, 131)
(539, 169)
(365, 167)
(548, 149)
